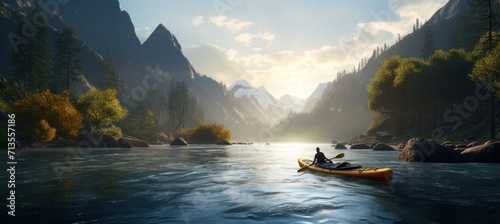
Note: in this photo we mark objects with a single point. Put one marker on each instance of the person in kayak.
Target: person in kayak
(320, 159)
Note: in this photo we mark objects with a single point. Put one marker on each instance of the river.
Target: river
(242, 184)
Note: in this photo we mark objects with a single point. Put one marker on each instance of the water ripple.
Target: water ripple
(246, 184)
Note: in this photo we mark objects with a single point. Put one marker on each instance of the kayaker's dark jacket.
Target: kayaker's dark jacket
(320, 158)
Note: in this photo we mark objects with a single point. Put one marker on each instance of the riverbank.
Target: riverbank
(428, 150)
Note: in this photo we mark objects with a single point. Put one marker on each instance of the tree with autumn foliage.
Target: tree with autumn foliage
(42, 132)
(43, 115)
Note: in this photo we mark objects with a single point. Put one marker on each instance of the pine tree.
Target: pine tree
(486, 15)
(110, 76)
(429, 43)
(67, 61)
(464, 35)
(31, 65)
(183, 108)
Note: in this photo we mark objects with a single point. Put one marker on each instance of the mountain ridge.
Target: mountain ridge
(342, 111)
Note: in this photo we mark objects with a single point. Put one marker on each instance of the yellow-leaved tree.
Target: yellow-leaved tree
(486, 71)
(42, 115)
(101, 108)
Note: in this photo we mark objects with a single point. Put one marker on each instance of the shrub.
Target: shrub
(112, 131)
(206, 133)
(42, 132)
(56, 110)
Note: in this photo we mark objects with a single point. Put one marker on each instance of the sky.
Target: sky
(288, 46)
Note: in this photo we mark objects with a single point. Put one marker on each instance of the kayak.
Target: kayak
(352, 170)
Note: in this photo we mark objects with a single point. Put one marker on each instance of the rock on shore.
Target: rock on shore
(424, 150)
(487, 153)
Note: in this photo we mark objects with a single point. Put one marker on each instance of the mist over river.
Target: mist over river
(242, 184)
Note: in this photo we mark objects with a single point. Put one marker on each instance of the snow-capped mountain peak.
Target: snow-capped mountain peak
(240, 83)
(242, 88)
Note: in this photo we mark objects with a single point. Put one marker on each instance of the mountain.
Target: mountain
(341, 113)
(162, 48)
(292, 103)
(103, 28)
(243, 88)
(448, 11)
(258, 102)
(314, 97)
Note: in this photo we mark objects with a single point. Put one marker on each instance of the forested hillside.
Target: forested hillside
(416, 87)
(81, 45)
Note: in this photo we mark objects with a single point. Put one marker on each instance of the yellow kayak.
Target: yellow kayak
(375, 174)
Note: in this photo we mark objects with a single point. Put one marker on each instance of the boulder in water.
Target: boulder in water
(91, 140)
(423, 150)
(109, 141)
(340, 146)
(360, 146)
(179, 141)
(383, 147)
(223, 142)
(124, 144)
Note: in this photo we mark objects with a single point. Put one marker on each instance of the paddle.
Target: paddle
(341, 155)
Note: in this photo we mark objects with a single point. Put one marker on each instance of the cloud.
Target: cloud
(282, 58)
(143, 33)
(198, 20)
(291, 72)
(400, 16)
(218, 20)
(266, 36)
(326, 54)
(247, 38)
(230, 24)
(281, 72)
(215, 61)
(385, 27)
(235, 26)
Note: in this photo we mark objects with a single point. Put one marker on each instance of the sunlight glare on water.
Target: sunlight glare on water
(246, 184)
